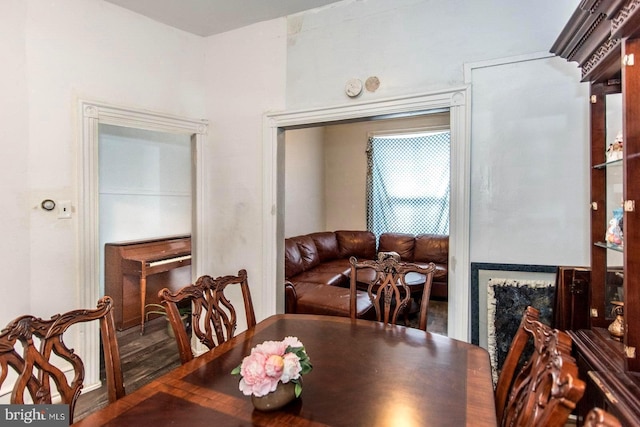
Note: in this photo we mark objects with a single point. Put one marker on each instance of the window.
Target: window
(408, 183)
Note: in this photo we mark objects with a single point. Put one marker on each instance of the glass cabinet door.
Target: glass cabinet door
(614, 237)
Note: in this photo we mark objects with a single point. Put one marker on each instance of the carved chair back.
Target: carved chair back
(34, 366)
(389, 291)
(513, 360)
(214, 319)
(598, 417)
(547, 388)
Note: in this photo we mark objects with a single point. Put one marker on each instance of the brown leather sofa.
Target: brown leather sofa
(317, 267)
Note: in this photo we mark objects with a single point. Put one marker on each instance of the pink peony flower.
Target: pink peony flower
(291, 369)
(273, 366)
(292, 341)
(269, 363)
(254, 377)
(271, 347)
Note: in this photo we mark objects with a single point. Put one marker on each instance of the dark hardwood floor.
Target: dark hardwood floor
(146, 357)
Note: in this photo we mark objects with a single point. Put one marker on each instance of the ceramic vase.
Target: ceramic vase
(283, 394)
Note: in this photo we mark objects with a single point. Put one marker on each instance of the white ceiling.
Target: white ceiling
(208, 17)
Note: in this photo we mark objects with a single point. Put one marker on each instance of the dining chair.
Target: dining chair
(598, 417)
(214, 319)
(36, 369)
(388, 288)
(546, 387)
(514, 357)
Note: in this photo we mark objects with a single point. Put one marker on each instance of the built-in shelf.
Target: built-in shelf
(611, 163)
(611, 246)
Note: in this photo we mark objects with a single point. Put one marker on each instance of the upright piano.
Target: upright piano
(136, 270)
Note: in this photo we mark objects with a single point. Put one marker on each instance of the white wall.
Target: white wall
(530, 164)
(245, 77)
(304, 191)
(15, 205)
(60, 52)
(412, 46)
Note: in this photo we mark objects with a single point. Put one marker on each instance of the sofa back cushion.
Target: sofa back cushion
(431, 248)
(401, 243)
(308, 251)
(361, 244)
(326, 244)
(292, 259)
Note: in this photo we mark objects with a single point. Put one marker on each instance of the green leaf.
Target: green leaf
(306, 368)
(298, 389)
(236, 370)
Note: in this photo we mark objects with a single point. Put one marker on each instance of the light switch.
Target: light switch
(64, 209)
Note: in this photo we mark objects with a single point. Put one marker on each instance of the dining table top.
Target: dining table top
(364, 373)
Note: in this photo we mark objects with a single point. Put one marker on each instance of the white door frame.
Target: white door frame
(457, 101)
(93, 114)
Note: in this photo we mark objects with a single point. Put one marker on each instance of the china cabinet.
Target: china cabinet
(603, 37)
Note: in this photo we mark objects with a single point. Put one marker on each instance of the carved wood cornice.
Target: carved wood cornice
(577, 36)
(590, 5)
(585, 37)
(590, 38)
(624, 15)
(598, 57)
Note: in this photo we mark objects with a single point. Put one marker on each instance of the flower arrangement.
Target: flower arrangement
(270, 363)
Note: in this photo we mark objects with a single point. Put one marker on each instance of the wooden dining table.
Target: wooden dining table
(364, 374)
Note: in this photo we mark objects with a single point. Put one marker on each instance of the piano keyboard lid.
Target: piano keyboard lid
(168, 260)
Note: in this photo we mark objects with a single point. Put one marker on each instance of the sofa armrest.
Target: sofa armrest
(290, 298)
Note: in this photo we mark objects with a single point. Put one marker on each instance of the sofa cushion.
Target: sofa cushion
(326, 244)
(401, 243)
(337, 266)
(361, 244)
(308, 251)
(432, 248)
(333, 301)
(322, 278)
(293, 264)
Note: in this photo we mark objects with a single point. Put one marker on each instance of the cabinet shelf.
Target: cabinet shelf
(611, 246)
(611, 163)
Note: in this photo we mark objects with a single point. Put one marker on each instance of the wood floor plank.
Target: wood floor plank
(144, 357)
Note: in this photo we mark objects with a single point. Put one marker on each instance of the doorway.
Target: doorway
(144, 185)
(455, 100)
(95, 114)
